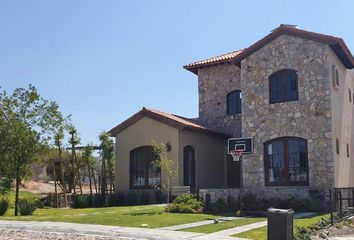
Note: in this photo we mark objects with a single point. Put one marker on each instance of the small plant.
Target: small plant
(186, 203)
(4, 205)
(220, 206)
(27, 206)
(80, 201)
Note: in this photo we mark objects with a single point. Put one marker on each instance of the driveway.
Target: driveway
(31, 230)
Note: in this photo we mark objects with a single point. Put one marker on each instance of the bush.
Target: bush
(220, 206)
(186, 203)
(4, 205)
(144, 198)
(27, 206)
(80, 201)
(232, 203)
(132, 198)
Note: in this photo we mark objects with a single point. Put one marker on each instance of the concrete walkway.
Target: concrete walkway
(197, 224)
(126, 233)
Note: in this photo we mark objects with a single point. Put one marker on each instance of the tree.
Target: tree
(27, 123)
(90, 163)
(74, 140)
(168, 167)
(58, 138)
(107, 154)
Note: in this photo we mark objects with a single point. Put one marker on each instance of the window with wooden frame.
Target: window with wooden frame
(143, 173)
(335, 76)
(337, 146)
(283, 86)
(234, 102)
(348, 155)
(286, 162)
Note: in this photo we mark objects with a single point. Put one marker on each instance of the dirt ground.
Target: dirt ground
(44, 188)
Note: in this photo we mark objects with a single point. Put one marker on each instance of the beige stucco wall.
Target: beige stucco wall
(137, 135)
(209, 157)
(342, 122)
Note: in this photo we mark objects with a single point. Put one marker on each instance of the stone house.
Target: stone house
(292, 92)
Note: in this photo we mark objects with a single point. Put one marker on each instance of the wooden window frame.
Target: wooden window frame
(284, 92)
(228, 101)
(147, 164)
(337, 146)
(348, 152)
(285, 141)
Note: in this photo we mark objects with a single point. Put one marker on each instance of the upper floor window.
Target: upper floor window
(350, 95)
(286, 162)
(283, 86)
(337, 146)
(234, 102)
(335, 76)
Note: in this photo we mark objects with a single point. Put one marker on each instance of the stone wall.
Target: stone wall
(308, 118)
(214, 83)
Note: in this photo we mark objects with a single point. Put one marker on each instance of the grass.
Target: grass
(261, 233)
(23, 194)
(127, 216)
(223, 225)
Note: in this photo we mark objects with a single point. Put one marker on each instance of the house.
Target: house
(292, 92)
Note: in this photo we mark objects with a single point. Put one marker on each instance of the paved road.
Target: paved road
(21, 230)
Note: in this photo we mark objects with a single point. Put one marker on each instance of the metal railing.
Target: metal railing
(341, 203)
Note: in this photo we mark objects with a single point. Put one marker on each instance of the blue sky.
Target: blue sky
(102, 61)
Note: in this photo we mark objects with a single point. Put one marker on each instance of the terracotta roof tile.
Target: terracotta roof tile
(169, 119)
(213, 60)
(337, 45)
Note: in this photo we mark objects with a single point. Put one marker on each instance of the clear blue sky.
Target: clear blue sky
(102, 61)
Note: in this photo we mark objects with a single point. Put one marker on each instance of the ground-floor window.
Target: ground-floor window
(143, 174)
(189, 166)
(286, 162)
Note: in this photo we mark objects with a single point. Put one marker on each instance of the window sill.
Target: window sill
(289, 186)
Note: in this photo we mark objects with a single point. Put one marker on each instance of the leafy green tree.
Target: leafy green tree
(90, 164)
(107, 154)
(169, 168)
(75, 140)
(27, 125)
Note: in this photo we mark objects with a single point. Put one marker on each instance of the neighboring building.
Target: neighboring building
(292, 92)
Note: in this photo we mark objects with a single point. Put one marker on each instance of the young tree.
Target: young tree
(59, 136)
(169, 169)
(27, 121)
(74, 140)
(90, 163)
(107, 154)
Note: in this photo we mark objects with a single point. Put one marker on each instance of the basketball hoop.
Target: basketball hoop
(236, 155)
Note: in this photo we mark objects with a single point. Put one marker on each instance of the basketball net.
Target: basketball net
(236, 155)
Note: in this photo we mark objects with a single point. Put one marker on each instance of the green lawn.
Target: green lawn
(132, 216)
(223, 225)
(261, 233)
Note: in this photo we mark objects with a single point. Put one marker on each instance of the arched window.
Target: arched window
(348, 150)
(234, 102)
(283, 86)
(286, 162)
(189, 166)
(143, 174)
(337, 146)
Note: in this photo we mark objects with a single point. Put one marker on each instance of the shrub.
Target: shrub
(80, 201)
(97, 201)
(186, 203)
(232, 203)
(220, 206)
(27, 206)
(132, 198)
(160, 196)
(144, 198)
(4, 205)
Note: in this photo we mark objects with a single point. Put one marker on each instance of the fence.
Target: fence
(342, 203)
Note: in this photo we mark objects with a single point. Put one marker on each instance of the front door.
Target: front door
(232, 172)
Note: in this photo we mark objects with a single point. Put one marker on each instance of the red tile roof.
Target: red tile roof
(193, 67)
(337, 45)
(166, 118)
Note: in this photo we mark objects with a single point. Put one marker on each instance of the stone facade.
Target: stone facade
(214, 83)
(308, 118)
